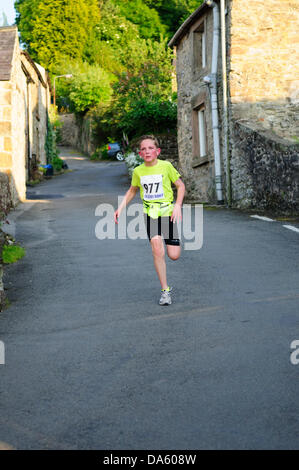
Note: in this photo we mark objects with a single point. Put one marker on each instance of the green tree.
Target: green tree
(147, 19)
(50, 29)
(173, 12)
(113, 39)
(148, 115)
(89, 87)
(142, 97)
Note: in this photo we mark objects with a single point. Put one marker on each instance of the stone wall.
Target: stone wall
(5, 196)
(2, 293)
(77, 132)
(12, 127)
(265, 170)
(264, 64)
(169, 148)
(19, 127)
(5, 128)
(24, 102)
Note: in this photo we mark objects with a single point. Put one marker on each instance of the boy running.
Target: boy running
(154, 178)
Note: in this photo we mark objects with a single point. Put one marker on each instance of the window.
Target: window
(199, 48)
(202, 132)
(199, 136)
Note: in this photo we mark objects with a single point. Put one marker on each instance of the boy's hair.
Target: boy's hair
(151, 137)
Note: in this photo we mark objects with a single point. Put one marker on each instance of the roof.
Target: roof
(37, 67)
(8, 36)
(185, 27)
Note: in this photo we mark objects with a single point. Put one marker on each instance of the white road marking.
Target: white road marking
(262, 218)
(194, 311)
(274, 299)
(290, 227)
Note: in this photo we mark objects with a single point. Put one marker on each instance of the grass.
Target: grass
(12, 253)
(33, 182)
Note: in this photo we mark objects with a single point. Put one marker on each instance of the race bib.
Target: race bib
(152, 187)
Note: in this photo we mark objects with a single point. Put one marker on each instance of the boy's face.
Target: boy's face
(148, 151)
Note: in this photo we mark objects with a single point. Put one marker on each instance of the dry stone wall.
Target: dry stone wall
(265, 171)
(77, 133)
(5, 196)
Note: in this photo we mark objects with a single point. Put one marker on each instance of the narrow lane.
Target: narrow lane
(93, 362)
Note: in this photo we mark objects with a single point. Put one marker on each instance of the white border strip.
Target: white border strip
(290, 227)
(262, 218)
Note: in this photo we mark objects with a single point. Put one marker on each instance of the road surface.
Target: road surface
(93, 362)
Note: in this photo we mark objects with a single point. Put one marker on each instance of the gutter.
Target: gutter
(211, 82)
(226, 156)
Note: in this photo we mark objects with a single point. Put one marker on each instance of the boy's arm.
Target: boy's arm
(130, 194)
(177, 210)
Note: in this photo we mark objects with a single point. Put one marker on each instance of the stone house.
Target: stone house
(24, 104)
(238, 101)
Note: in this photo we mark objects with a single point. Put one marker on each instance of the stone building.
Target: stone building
(24, 104)
(238, 101)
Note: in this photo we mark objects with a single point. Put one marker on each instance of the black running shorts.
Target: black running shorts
(162, 226)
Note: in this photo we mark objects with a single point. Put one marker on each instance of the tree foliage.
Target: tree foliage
(89, 88)
(50, 29)
(115, 37)
(143, 97)
(147, 19)
(173, 12)
(116, 51)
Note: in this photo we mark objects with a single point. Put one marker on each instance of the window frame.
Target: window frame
(199, 105)
(199, 54)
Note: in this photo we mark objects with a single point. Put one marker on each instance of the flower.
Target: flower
(132, 160)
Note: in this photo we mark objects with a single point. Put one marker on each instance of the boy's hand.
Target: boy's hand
(176, 215)
(116, 215)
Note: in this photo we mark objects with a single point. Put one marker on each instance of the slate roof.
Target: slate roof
(185, 27)
(8, 36)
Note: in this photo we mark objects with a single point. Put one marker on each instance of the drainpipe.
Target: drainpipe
(226, 157)
(211, 81)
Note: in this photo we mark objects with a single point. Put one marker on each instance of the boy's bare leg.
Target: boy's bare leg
(173, 251)
(159, 259)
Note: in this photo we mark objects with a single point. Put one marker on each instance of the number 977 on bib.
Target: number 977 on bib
(152, 187)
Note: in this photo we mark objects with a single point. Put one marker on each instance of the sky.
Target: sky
(7, 6)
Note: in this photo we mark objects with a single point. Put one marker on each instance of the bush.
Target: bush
(50, 144)
(101, 153)
(57, 163)
(53, 131)
(149, 116)
(104, 152)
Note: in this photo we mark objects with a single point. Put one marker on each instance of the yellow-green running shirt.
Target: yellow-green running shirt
(155, 181)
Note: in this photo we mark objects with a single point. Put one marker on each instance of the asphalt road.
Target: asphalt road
(93, 362)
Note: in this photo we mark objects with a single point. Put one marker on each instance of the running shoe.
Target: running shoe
(165, 297)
